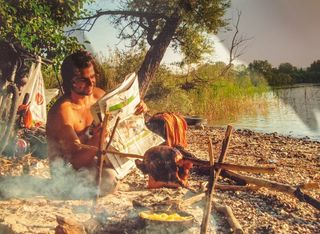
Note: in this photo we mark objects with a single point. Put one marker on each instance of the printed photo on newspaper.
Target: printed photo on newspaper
(131, 136)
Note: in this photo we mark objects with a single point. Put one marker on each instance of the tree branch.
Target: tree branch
(237, 47)
(150, 15)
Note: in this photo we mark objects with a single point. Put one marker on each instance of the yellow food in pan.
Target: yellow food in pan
(164, 216)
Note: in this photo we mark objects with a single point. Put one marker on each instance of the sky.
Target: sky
(281, 31)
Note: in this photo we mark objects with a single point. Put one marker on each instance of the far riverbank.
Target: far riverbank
(292, 111)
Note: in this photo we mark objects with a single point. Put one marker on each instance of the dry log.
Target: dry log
(232, 220)
(295, 191)
(68, 226)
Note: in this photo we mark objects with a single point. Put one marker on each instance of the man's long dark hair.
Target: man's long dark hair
(78, 60)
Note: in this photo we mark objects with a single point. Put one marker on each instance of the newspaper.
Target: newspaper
(131, 136)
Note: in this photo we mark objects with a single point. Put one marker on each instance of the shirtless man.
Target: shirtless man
(70, 118)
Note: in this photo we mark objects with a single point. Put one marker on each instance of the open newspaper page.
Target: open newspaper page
(131, 136)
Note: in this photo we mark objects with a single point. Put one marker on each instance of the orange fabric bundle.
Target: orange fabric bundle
(176, 128)
(27, 116)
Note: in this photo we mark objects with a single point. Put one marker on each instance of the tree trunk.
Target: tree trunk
(155, 53)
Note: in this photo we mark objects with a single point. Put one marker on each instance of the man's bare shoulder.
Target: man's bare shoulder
(59, 115)
(98, 93)
(63, 104)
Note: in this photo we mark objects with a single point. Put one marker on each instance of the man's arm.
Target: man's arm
(60, 127)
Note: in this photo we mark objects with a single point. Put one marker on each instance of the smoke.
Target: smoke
(66, 183)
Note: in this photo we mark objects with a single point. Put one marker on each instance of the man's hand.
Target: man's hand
(141, 108)
(95, 129)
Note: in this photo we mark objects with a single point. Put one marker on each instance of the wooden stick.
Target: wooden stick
(226, 174)
(295, 191)
(103, 135)
(224, 149)
(232, 220)
(214, 178)
(207, 207)
(223, 166)
(193, 199)
(224, 187)
(104, 155)
(309, 186)
(113, 132)
(127, 155)
(83, 146)
(227, 187)
(252, 169)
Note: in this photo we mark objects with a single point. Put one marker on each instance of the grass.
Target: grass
(220, 101)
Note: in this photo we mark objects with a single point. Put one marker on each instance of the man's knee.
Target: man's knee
(109, 181)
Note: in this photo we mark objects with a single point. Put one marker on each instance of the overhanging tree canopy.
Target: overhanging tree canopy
(39, 25)
(183, 23)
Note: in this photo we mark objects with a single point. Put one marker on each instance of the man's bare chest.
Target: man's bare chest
(82, 119)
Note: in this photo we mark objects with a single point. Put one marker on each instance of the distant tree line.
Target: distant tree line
(285, 73)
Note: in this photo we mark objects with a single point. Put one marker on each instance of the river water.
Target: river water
(293, 111)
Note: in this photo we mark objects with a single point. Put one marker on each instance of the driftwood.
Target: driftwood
(232, 220)
(214, 177)
(295, 191)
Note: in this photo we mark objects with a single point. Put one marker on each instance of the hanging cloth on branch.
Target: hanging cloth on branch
(33, 97)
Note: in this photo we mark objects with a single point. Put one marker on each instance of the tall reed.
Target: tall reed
(219, 101)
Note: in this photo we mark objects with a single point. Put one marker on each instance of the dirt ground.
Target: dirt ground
(29, 203)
